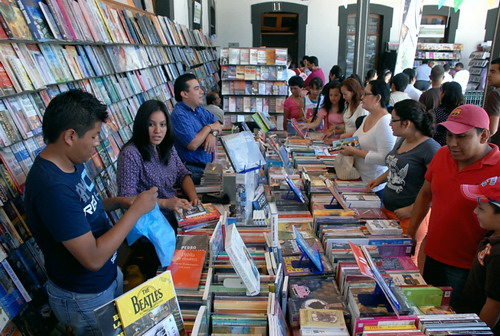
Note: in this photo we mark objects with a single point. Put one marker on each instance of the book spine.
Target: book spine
(16, 280)
(66, 19)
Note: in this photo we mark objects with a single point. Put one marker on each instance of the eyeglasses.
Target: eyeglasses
(367, 93)
(395, 120)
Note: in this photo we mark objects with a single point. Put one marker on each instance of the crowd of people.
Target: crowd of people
(419, 146)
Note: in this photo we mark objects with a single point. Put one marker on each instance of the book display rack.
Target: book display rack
(123, 56)
(253, 80)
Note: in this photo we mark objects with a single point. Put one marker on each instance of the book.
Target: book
(144, 306)
(108, 319)
(197, 210)
(243, 151)
(338, 144)
(186, 268)
(211, 215)
(13, 21)
(330, 320)
(241, 260)
(35, 19)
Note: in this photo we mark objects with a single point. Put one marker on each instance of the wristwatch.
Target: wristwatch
(215, 133)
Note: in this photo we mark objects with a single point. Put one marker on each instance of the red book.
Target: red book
(186, 268)
(212, 214)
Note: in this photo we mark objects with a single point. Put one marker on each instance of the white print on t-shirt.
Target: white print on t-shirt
(396, 178)
(90, 208)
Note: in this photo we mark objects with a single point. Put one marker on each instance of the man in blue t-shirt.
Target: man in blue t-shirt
(196, 129)
(68, 218)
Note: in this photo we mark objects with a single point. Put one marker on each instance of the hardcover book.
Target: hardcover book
(147, 304)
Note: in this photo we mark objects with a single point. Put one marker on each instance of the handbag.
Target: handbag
(344, 167)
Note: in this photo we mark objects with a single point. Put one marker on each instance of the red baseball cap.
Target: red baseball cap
(466, 117)
(487, 191)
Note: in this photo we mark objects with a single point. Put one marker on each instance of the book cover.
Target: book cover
(186, 268)
(212, 215)
(147, 304)
(108, 319)
(327, 319)
(35, 19)
(241, 260)
(13, 20)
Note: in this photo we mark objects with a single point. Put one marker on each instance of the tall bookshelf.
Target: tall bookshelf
(254, 80)
(122, 55)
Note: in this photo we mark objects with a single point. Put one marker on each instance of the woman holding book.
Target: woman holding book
(407, 162)
(331, 112)
(294, 106)
(149, 159)
(374, 134)
(352, 92)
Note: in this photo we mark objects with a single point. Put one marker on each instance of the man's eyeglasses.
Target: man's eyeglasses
(367, 93)
(395, 120)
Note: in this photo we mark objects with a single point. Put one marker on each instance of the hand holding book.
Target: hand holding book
(175, 204)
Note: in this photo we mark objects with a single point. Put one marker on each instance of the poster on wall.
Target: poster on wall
(410, 28)
(197, 12)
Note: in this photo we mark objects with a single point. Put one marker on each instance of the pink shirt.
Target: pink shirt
(330, 119)
(296, 111)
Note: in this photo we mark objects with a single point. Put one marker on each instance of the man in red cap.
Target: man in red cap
(481, 294)
(454, 232)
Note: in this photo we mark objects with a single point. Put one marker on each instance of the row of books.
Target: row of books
(438, 55)
(252, 72)
(253, 104)
(253, 56)
(254, 88)
(91, 21)
(31, 66)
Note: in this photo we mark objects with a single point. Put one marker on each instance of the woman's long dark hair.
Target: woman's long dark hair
(415, 112)
(452, 96)
(327, 104)
(140, 136)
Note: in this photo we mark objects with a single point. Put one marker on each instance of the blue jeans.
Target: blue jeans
(439, 274)
(197, 173)
(77, 309)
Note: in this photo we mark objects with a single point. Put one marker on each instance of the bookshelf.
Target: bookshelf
(122, 55)
(478, 64)
(440, 53)
(253, 80)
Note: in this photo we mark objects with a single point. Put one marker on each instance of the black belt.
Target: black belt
(195, 164)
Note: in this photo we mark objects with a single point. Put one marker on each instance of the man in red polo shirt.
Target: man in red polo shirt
(454, 232)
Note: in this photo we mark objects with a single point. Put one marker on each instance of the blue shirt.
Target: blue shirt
(187, 124)
(62, 206)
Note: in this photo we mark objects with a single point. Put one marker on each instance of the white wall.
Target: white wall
(205, 12)
(234, 25)
(181, 12)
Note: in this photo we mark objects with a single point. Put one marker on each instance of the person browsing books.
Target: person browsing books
(149, 159)
(454, 231)
(68, 217)
(374, 134)
(330, 114)
(196, 129)
(352, 92)
(407, 162)
(481, 294)
(293, 107)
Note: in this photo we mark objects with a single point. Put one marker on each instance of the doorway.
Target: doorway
(280, 30)
(280, 24)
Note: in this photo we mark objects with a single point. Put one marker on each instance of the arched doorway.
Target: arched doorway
(280, 24)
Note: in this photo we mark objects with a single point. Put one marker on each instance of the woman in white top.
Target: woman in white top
(352, 92)
(375, 135)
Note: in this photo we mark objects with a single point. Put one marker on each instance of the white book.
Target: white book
(241, 260)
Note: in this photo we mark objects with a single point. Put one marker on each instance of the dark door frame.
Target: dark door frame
(385, 13)
(452, 18)
(277, 6)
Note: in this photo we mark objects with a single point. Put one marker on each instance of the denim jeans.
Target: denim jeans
(439, 274)
(77, 309)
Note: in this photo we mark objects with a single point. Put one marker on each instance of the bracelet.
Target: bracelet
(211, 130)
